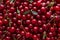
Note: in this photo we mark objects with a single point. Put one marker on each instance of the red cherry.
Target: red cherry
(19, 16)
(26, 8)
(28, 34)
(35, 29)
(28, 16)
(43, 9)
(35, 37)
(10, 15)
(59, 30)
(1, 32)
(34, 21)
(1, 22)
(30, 26)
(39, 22)
(14, 19)
(22, 33)
(26, 28)
(52, 29)
(48, 14)
(38, 16)
(28, 21)
(24, 17)
(48, 38)
(44, 26)
(12, 29)
(50, 34)
(5, 21)
(38, 4)
(19, 22)
(7, 38)
(12, 9)
(17, 30)
(20, 7)
(1, 7)
(41, 30)
(1, 17)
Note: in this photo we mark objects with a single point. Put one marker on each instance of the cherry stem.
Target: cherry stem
(44, 34)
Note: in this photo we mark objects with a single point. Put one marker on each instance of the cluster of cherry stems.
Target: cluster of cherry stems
(30, 20)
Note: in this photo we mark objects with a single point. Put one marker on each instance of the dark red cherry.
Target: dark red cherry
(34, 21)
(12, 29)
(28, 21)
(1, 22)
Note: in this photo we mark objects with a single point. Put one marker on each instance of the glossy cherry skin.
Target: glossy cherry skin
(34, 21)
(35, 37)
(39, 22)
(1, 22)
(28, 21)
(30, 26)
(35, 29)
(26, 29)
(1, 7)
(28, 16)
(24, 17)
(7, 38)
(22, 33)
(48, 14)
(48, 38)
(41, 30)
(12, 29)
(59, 30)
(52, 29)
(12, 9)
(19, 22)
(28, 34)
(5, 21)
(19, 16)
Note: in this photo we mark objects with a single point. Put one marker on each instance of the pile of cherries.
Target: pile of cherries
(30, 20)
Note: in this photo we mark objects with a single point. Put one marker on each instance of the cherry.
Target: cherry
(1, 22)
(7, 38)
(59, 30)
(43, 9)
(28, 16)
(28, 34)
(24, 17)
(28, 21)
(10, 15)
(1, 17)
(19, 22)
(38, 16)
(35, 37)
(52, 29)
(48, 14)
(41, 30)
(12, 9)
(19, 16)
(22, 33)
(1, 7)
(39, 22)
(34, 21)
(1, 32)
(5, 21)
(30, 26)
(38, 4)
(35, 29)
(18, 30)
(48, 38)
(26, 8)
(12, 29)
(26, 28)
